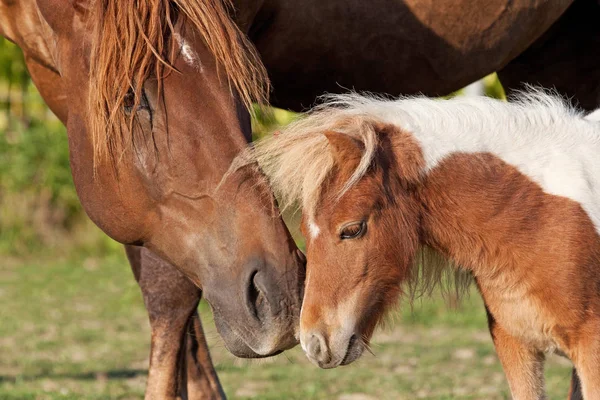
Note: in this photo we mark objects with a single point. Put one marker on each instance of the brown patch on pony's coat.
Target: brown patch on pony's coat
(132, 42)
(535, 256)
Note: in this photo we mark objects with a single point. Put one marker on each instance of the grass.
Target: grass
(75, 328)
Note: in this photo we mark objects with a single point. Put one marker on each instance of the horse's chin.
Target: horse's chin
(240, 347)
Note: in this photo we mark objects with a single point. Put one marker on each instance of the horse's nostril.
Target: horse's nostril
(314, 347)
(255, 297)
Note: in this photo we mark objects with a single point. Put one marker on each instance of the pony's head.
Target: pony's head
(355, 180)
(158, 96)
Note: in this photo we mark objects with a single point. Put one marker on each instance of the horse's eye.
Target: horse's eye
(353, 230)
(129, 101)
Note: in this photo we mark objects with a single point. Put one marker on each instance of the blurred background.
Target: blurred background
(72, 321)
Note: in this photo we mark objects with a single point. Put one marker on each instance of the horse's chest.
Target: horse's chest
(521, 316)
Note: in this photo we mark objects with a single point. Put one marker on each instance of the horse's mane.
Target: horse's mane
(131, 43)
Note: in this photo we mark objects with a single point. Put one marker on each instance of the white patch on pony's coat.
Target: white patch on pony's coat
(551, 143)
(314, 229)
(188, 54)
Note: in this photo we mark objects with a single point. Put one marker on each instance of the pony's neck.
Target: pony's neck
(488, 217)
(541, 137)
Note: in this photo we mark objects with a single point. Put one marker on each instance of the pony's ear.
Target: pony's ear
(344, 147)
(401, 147)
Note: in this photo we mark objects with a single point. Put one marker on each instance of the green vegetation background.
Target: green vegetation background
(72, 322)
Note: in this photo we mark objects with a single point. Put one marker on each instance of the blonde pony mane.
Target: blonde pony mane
(131, 43)
(297, 159)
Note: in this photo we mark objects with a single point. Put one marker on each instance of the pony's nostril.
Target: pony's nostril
(316, 348)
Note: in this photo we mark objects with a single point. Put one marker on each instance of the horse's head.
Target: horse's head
(356, 183)
(158, 95)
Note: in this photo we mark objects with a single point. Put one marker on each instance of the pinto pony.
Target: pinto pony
(508, 192)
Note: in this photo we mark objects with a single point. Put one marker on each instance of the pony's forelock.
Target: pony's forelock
(299, 158)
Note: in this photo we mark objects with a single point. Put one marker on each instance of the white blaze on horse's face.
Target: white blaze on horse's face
(188, 54)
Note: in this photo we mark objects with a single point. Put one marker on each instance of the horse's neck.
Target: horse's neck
(21, 22)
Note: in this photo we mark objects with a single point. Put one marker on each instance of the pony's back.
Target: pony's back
(594, 115)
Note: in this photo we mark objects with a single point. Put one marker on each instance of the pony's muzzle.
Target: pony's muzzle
(326, 351)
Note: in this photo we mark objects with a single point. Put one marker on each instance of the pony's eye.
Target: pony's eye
(353, 230)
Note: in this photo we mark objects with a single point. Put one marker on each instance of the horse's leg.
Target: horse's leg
(566, 57)
(523, 366)
(180, 364)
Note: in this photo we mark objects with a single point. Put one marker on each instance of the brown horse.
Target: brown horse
(418, 46)
(381, 45)
(505, 191)
(154, 96)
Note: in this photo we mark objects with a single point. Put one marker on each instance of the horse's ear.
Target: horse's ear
(59, 14)
(344, 147)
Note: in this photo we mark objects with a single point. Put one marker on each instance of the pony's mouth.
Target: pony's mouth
(354, 350)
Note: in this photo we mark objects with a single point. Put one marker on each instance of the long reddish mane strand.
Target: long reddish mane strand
(131, 43)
